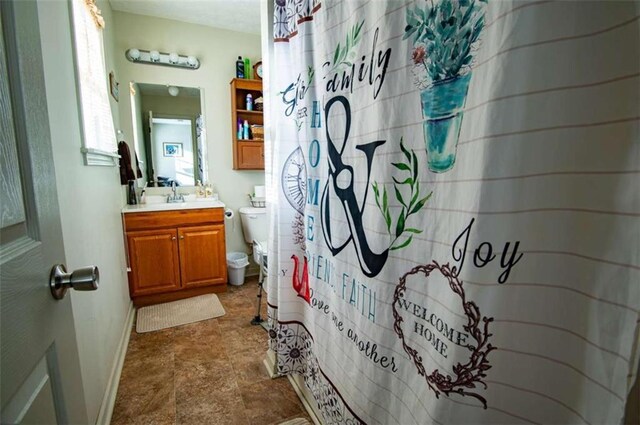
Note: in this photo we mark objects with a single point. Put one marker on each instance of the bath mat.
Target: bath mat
(296, 421)
(176, 313)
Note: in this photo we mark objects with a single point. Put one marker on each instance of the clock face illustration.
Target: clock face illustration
(294, 180)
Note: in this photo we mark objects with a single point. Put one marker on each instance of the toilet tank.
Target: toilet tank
(254, 224)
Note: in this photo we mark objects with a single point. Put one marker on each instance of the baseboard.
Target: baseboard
(109, 399)
(270, 363)
(302, 395)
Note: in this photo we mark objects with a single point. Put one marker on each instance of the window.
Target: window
(98, 132)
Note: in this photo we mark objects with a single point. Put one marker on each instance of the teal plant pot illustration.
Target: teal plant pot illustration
(442, 105)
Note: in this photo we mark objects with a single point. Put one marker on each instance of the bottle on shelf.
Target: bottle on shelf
(249, 102)
(240, 129)
(245, 134)
(240, 67)
(247, 68)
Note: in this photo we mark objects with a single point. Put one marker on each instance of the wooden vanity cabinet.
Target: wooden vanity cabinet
(175, 254)
(202, 255)
(154, 261)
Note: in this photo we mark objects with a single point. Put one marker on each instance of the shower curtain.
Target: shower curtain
(454, 191)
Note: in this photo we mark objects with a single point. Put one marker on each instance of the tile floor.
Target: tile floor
(209, 372)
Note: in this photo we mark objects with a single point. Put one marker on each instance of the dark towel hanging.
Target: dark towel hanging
(126, 172)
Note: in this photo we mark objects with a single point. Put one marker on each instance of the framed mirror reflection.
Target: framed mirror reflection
(169, 134)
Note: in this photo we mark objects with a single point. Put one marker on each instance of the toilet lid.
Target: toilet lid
(252, 210)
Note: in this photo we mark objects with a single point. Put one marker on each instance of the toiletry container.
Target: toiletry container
(255, 228)
(247, 68)
(249, 102)
(245, 133)
(239, 67)
(240, 129)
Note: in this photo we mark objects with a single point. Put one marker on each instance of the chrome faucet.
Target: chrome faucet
(174, 198)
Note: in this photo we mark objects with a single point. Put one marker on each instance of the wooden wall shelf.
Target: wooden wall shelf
(247, 154)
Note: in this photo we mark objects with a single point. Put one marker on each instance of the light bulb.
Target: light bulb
(173, 58)
(134, 54)
(173, 90)
(155, 55)
(192, 61)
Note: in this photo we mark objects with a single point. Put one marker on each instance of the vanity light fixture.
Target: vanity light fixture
(173, 90)
(155, 57)
(134, 54)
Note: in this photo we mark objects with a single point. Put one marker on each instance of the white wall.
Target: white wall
(217, 50)
(90, 203)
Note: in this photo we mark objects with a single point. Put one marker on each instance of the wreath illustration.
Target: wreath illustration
(466, 376)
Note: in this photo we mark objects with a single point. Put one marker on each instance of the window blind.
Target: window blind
(97, 121)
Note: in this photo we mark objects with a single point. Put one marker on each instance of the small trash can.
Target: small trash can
(237, 263)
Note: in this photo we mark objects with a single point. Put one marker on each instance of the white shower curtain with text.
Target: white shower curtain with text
(455, 208)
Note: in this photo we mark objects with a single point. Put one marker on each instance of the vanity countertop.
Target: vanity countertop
(163, 206)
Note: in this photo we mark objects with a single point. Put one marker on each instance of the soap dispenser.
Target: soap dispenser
(200, 192)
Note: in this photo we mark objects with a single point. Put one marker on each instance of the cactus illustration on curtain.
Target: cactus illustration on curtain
(445, 35)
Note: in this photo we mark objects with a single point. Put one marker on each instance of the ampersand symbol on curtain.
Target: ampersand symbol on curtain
(340, 185)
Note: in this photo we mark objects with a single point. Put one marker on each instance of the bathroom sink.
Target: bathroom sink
(156, 199)
(159, 203)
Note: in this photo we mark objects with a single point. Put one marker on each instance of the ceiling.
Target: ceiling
(235, 15)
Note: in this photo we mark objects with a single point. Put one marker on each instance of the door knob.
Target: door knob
(84, 279)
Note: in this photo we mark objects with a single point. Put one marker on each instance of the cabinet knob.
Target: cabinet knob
(173, 238)
(181, 236)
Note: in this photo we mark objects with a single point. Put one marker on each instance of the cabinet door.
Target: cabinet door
(202, 255)
(251, 155)
(155, 264)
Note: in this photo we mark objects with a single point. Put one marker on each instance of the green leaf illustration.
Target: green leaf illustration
(344, 54)
(447, 30)
(420, 204)
(387, 218)
(412, 230)
(402, 185)
(401, 166)
(414, 165)
(399, 196)
(385, 199)
(408, 181)
(402, 245)
(400, 224)
(376, 193)
(405, 151)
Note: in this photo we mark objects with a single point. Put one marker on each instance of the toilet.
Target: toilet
(256, 231)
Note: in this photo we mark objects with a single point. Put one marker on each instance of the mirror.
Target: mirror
(169, 134)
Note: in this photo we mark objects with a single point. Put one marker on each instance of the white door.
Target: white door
(40, 380)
